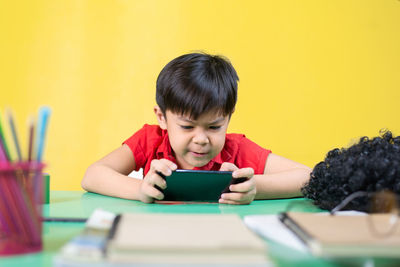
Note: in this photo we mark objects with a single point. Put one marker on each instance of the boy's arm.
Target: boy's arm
(282, 178)
(108, 176)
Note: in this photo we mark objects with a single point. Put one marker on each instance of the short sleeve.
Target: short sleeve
(143, 144)
(252, 155)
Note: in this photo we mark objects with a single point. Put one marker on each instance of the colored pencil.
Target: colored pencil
(26, 213)
(4, 209)
(31, 128)
(26, 197)
(3, 157)
(3, 140)
(4, 225)
(14, 134)
(14, 208)
(44, 113)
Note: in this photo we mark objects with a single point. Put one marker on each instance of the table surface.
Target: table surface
(82, 204)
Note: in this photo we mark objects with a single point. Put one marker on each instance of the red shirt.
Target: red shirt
(151, 142)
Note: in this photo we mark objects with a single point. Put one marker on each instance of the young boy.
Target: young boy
(196, 96)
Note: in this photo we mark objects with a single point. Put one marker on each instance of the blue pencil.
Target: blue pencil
(44, 114)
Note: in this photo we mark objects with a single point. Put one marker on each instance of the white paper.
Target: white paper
(100, 219)
(270, 227)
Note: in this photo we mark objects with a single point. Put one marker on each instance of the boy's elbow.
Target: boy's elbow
(85, 183)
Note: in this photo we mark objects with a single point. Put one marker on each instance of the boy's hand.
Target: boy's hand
(241, 193)
(148, 191)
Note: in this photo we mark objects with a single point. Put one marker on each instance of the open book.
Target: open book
(184, 239)
(346, 236)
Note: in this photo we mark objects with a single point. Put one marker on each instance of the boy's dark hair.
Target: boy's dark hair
(196, 83)
(371, 165)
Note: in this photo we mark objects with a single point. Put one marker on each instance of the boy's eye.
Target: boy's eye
(215, 127)
(186, 127)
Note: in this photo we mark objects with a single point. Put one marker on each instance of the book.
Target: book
(346, 236)
(202, 239)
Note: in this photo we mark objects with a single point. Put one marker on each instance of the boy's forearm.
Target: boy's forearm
(104, 180)
(281, 185)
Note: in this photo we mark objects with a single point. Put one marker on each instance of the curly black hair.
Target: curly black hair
(371, 165)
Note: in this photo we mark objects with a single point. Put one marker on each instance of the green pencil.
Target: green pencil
(3, 139)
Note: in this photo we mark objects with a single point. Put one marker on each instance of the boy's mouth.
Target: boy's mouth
(198, 154)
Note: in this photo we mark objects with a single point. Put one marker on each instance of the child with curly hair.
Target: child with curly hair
(369, 166)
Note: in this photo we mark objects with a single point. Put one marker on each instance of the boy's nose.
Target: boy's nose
(200, 138)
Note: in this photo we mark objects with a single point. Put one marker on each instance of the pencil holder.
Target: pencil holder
(21, 197)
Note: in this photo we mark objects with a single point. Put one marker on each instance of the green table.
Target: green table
(81, 204)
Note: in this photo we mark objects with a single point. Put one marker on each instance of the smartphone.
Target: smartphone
(196, 185)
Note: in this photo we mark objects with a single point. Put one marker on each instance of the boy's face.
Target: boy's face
(195, 142)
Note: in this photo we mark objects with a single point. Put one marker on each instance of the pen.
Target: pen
(61, 219)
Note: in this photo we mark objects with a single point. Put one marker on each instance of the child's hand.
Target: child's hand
(148, 191)
(241, 193)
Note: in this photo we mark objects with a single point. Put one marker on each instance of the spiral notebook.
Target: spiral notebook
(376, 235)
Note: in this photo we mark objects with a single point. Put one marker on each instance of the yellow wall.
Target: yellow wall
(313, 74)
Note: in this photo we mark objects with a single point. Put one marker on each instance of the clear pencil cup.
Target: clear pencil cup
(21, 197)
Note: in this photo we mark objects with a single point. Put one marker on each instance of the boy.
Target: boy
(196, 96)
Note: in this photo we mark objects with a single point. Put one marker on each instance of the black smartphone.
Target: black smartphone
(196, 185)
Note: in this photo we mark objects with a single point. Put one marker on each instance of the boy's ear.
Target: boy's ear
(162, 121)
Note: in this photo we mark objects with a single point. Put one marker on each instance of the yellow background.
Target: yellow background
(314, 75)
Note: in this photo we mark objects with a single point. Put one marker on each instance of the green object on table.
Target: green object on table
(46, 188)
(78, 204)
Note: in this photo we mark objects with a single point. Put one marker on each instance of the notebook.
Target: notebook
(346, 236)
(184, 239)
